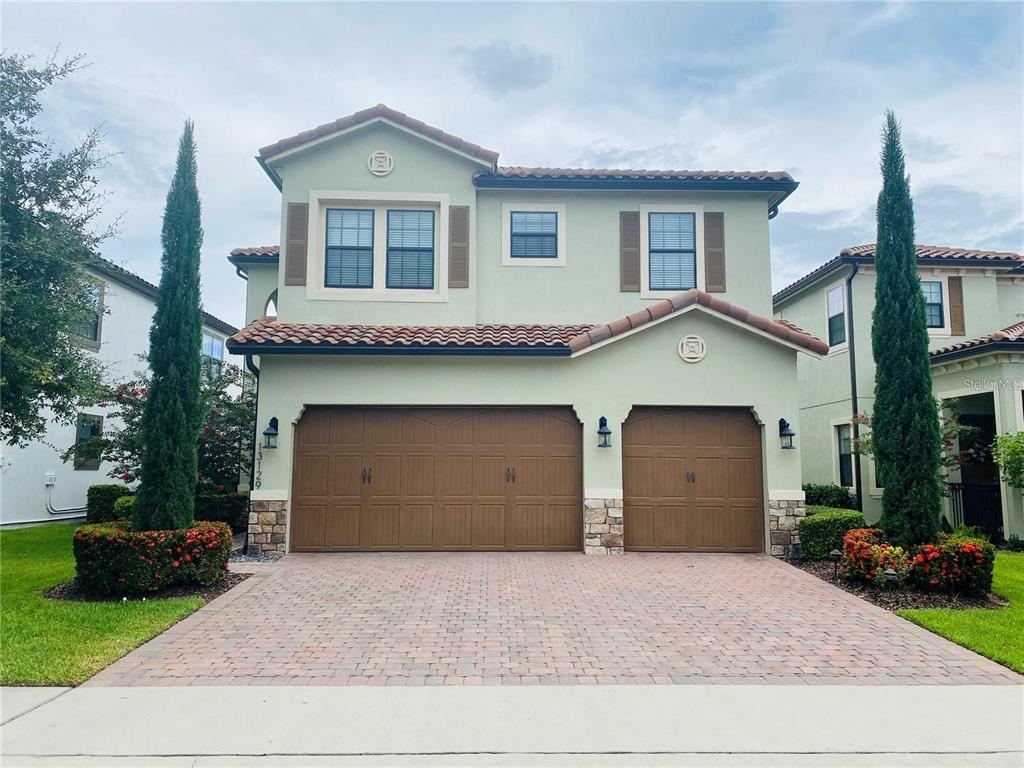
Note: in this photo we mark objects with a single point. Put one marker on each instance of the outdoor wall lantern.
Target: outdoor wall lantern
(604, 434)
(786, 434)
(270, 434)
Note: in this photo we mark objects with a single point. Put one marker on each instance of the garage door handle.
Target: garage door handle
(369, 475)
(362, 476)
(513, 474)
(508, 474)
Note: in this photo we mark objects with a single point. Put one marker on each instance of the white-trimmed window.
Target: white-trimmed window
(844, 454)
(90, 329)
(671, 249)
(212, 354)
(366, 246)
(533, 235)
(934, 306)
(835, 311)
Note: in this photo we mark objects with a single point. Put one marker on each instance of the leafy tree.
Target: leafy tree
(49, 202)
(1008, 452)
(170, 418)
(905, 433)
(227, 407)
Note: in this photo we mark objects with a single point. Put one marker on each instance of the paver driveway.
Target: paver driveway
(528, 618)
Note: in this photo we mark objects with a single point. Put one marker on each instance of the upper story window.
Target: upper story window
(410, 258)
(88, 330)
(836, 311)
(534, 235)
(934, 313)
(349, 257)
(672, 251)
(213, 354)
(88, 430)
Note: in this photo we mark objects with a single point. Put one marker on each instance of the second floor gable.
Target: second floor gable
(385, 220)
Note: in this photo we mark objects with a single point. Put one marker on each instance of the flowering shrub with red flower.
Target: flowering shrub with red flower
(960, 566)
(858, 553)
(112, 559)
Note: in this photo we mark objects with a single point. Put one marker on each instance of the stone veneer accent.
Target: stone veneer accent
(602, 526)
(268, 527)
(784, 518)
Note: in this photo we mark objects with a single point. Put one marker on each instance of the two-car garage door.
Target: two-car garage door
(437, 478)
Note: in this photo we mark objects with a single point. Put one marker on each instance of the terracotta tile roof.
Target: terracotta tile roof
(625, 173)
(373, 113)
(1012, 335)
(937, 252)
(784, 331)
(268, 333)
(257, 250)
(924, 253)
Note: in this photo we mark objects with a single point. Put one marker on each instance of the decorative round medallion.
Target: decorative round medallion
(380, 163)
(692, 348)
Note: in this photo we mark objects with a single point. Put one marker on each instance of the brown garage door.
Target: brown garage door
(692, 480)
(437, 478)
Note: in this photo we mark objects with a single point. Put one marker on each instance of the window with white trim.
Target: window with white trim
(934, 311)
(348, 261)
(836, 311)
(88, 331)
(672, 251)
(410, 255)
(212, 354)
(844, 446)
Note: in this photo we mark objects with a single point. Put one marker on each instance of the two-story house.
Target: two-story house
(974, 308)
(37, 484)
(468, 356)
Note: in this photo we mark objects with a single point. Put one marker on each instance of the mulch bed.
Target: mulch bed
(897, 599)
(69, 591)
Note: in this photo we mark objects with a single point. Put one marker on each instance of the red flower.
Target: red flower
(175, 564)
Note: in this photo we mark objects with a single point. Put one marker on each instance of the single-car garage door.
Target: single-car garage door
(692, 480)
(437, 478)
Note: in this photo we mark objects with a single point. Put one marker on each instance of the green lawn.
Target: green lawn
(54, 642)
(998, 634)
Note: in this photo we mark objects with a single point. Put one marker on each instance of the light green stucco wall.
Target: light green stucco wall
(586, 289)
(825, 383)
(740, 369)
(260, 285)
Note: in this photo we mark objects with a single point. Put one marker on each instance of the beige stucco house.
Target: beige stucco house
(974, 304)
(469, 356)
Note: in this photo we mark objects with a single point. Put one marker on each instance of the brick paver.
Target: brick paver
(540, 619)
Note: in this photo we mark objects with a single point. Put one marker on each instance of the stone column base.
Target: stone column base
(268, 527)
(602, 526)
(784, 518)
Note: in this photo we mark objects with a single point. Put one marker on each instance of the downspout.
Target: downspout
(255, 371)
(854, 403)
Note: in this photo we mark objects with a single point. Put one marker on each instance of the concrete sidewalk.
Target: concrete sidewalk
(557, 726)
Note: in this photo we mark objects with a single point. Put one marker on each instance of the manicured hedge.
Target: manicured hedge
(99, 501)
(829, 495)
(110, 559)
(823, 530)
(230, 508)
(123, 507)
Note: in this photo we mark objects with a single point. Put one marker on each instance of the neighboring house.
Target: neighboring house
(36, 484)
(468, 356)
(974, 305)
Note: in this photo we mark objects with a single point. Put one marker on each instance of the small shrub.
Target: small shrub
(961, 566)
(887, 557)
(823, 530)
(1015, 543)
(99, 501)
(111, 559)
(123, 508)
(829, 495)
(230, 508)
(858, 553)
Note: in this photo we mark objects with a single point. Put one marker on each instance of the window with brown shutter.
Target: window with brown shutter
(458, 246)
(629, 251)
(956, 306)
(714, 252)
(295, 254)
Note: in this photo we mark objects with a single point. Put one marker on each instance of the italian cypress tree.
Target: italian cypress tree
(170, 420)
(905, 423)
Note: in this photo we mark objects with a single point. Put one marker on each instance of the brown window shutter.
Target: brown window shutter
(956, 306)
(714, 252)
(629, 251)
(458, 246)
(297, 230)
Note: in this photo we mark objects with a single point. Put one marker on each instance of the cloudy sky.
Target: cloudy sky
(798, 86)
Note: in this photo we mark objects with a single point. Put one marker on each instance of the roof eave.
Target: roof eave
(267, 169)
(411, 350)
(979, 349)
(494, 181)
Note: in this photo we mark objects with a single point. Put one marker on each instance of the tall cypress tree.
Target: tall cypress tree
(170, 421)
(905, 423)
